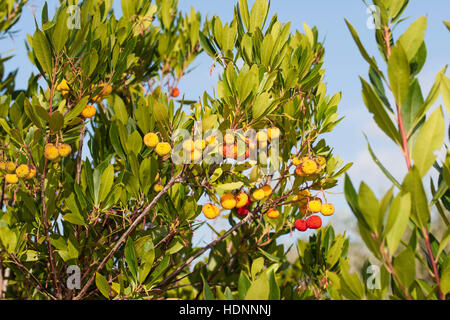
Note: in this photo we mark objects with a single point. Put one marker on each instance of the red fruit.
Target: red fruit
(242, 211)
(175, 92)
(247, 153)
(314, 222)
(300, 225)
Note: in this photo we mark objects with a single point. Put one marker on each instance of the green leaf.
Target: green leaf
(405, 267)
(131, 258)
(56, 121)
(274, 292)
(397, 222)
(207, 293)
(134, 142)
(399, 72)
(413, 37)
(429, 139)
(42, 50)
(413, 184)
(106, 183)
(60, 32)
(412, 105)
(243, 11)
(381, 117)
(262, 102)
(258, 14)
(369, 207)
(244, 284)
(228, 187)
(259, 289)
(361, 48)
(445, 91)
(380, 165)
(102, 285)
(257, 266)
(120, 111)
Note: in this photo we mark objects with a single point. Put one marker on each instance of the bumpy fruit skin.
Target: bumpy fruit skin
(241, 200)
(22, 171)
(210, 211)
(314, 205)
(11, 167)
(267, 190)
(88, 111)
(158, 187)
(321, 161)
(261, 136)
(229, 151)
(301, 225)
(299, 171)
(175, 92)
(309, 166)
(327, 209)
(273, 213)
(51, 152)
(32, 172)
(12, 178)
(163, 148)
(258, 194)
(2, 165)
(64, 150)
(314, 222)
(296, 161)
(107, 89)
(242, 211)
(228, 201)
(304, 194)
(151, 140)
(273, 133)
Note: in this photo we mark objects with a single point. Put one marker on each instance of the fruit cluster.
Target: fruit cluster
(56, 152)
(14, 173)
(240, 202)
(308, 206)
(151, 140)
(309, 166)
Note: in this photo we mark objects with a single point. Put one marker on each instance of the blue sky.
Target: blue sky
(343, 65)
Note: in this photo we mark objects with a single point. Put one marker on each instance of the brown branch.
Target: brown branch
(433, 264)
(128, 232)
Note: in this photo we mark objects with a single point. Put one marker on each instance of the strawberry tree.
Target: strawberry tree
(109, 170)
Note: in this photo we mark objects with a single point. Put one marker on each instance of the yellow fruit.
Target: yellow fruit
(88, 111)
(273, 133)
(309, 166)
(64, 150)
(273, 213)
(299, 171)
(51, 152)
(321, 161)
(241, 200)
(2, 165)
(163, 148)
(188, 145)
(63, 86)
(158, 187)
(258, 194)
(327, 209)
(296, 161)
(210, 211)
(151, 140)
(157, 177)
(315, 205)
(267, 190)
(11, 178)
(32, 172)
(200, 144)
(11, 167)
(107, 89)
(22, 171)
(196, 155)
(228, 201)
